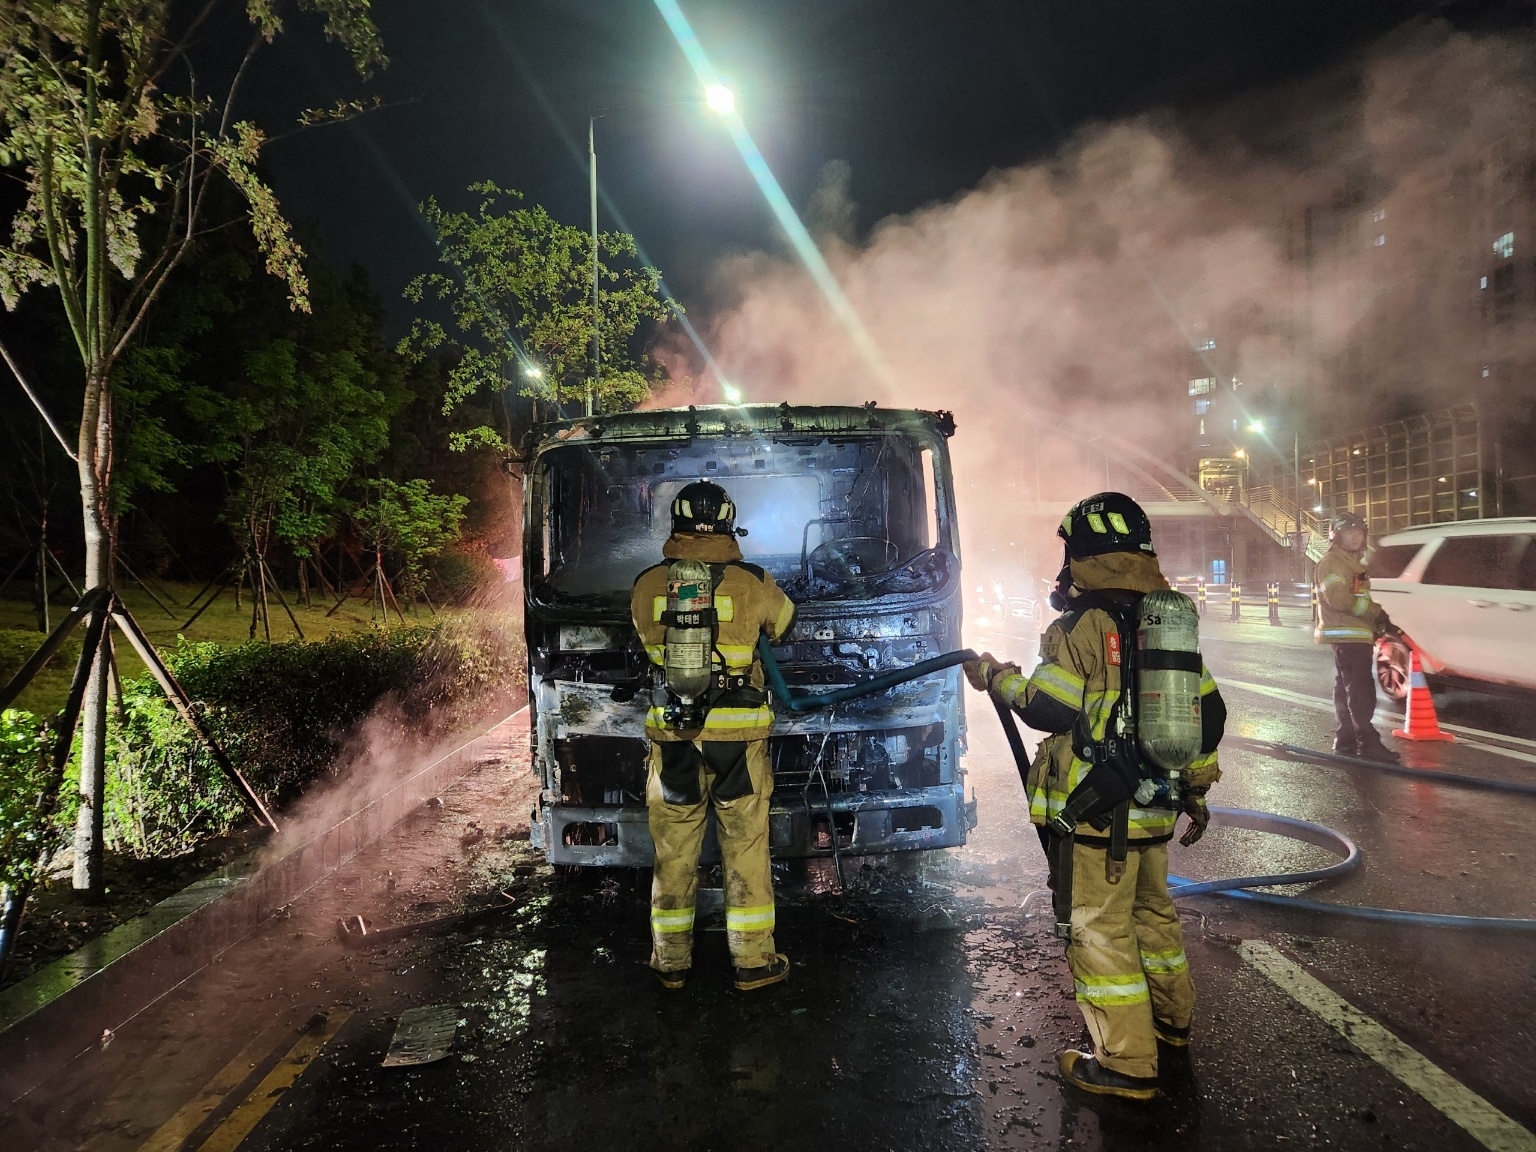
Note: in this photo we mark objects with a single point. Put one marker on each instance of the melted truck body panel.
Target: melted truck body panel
(852, 511)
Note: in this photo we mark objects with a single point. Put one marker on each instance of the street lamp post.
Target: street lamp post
(720, 100)
(597, 311)
(1297, 548)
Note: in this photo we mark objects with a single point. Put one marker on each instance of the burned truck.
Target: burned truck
(852, 509)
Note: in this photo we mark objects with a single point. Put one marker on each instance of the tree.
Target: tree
(412, 523)
(520, 293)
(291, 412)
(118, 145)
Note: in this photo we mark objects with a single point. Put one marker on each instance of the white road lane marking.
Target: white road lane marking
(1475, 736)
(1485, 1123)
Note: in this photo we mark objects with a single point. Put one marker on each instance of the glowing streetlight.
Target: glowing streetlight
(721, 100)
(732, 393)
(1256, 427)
(533, 372)
(1240, 454)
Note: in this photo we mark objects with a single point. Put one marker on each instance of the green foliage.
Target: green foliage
(412, 523)
(96, 112)
(24, 774)
(466, 571)
(284, 713)
(519, 288)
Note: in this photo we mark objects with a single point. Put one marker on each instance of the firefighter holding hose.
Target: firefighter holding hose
(1135, 720)
(699, 614)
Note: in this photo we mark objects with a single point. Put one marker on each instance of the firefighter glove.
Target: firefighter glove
(985, 669)
(979, 671)
(1199, 816)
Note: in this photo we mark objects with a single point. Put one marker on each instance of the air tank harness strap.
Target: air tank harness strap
(1119, 835)
(1059, 853)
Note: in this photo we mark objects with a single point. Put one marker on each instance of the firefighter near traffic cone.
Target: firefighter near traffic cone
(1420, 722)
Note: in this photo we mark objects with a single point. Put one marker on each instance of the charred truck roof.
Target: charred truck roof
(852, 511)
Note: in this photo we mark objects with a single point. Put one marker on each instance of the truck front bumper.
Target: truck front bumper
(866, 824)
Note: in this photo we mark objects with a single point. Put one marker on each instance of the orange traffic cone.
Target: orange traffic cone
(1420, 723)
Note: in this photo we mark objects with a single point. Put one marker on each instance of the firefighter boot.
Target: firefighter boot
(1371, 748)
(672, 980)
(776, 970)
(1083, 1071)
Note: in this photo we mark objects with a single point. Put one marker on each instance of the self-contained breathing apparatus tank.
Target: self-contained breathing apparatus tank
(1168, 665)
(689, 642)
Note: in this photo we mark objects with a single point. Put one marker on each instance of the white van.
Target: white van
(1465, 594)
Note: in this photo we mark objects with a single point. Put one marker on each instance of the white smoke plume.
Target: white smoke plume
(1084, 284)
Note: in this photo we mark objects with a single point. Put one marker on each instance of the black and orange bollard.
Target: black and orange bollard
(1274, 602)
(1200, 595)
(1237, 603)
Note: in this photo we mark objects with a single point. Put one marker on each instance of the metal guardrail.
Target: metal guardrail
(1277, 514)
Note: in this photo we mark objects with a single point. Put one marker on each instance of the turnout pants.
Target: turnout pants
(1354, 693)
(1127, 956)
(685, 780)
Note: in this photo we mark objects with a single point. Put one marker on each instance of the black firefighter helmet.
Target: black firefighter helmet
(704, 507)
(1106, 522)
(1343, 522)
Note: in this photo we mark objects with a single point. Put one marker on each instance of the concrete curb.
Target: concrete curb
(63, 1010)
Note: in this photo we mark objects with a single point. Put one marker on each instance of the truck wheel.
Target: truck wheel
(1392, 667)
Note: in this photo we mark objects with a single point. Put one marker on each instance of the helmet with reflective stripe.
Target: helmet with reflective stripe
(1107, 522)
(1343, 522)
(704, 507)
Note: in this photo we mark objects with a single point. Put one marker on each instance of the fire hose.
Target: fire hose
(1237, 887)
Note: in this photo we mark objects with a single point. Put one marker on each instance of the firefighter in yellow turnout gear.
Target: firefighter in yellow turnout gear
(715, 754)
(1125, 948)
(1349, 620)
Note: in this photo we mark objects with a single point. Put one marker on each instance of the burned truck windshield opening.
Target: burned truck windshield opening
(832, 518)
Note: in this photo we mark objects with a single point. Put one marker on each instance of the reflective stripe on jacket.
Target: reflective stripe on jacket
(747, 604)
(1346, 614)
(1077, 669)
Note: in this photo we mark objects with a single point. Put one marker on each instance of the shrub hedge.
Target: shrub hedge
(283, 713)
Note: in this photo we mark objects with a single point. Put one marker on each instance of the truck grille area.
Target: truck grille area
(608, 771)
(879, 760)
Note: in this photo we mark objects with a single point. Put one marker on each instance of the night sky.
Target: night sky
(922, 99)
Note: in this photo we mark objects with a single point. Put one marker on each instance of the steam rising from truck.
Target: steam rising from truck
(1317, 248)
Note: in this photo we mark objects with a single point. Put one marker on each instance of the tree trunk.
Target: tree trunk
(40, 582)
(95, 499)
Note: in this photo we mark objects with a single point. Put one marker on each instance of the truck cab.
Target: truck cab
(852, 510)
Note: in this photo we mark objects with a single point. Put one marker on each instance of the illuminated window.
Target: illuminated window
(1379, 241)
(1504, 246)
(1202, 386)
(1379, 215)
(1204, 406)
(1482, 282)
(1206, 346)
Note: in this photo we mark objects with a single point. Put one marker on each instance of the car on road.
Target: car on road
(1464, 594)
(853, 512)
(1009, 615)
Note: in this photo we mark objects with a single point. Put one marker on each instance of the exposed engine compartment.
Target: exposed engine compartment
(852, 511)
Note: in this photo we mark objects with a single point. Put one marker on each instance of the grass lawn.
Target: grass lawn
(222, 623)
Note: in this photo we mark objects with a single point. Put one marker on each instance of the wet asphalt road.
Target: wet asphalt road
(925, 1009)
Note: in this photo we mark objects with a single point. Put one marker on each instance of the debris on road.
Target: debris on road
(422, 1035)
(357, 931)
